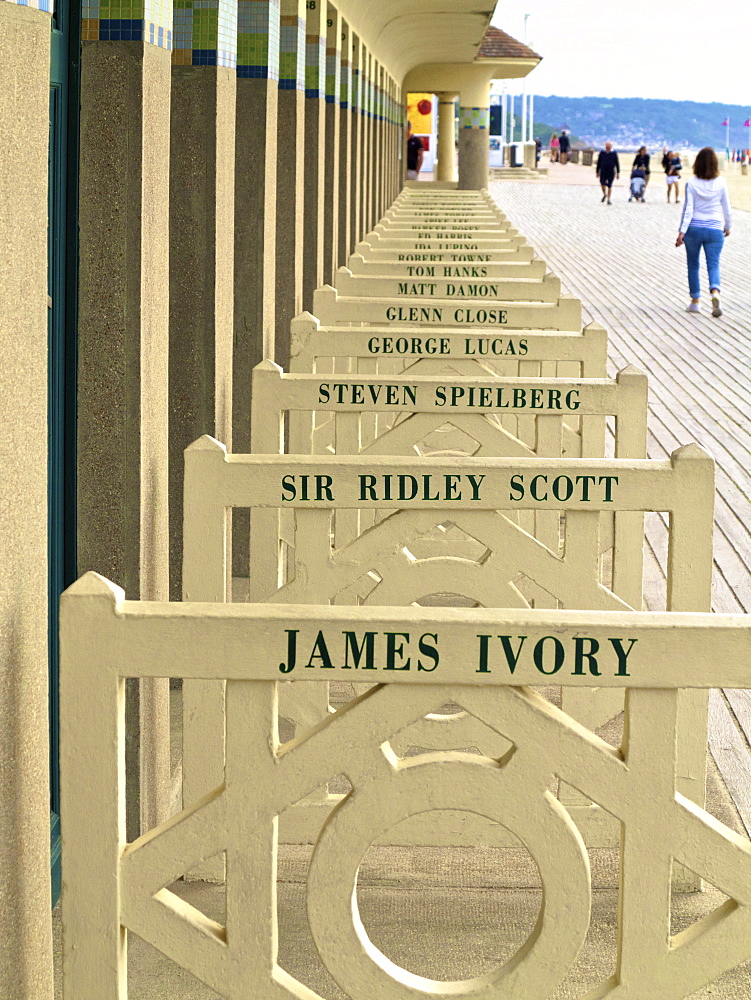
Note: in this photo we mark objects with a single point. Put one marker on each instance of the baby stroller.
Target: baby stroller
(638, 184)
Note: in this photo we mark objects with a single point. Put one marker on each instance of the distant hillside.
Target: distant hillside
(540, 131)
(631, 121)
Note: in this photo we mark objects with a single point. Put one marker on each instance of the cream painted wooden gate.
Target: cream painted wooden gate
(378, 567)
(112, 888)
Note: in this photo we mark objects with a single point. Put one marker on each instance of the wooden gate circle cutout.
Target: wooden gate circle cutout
(512, 792)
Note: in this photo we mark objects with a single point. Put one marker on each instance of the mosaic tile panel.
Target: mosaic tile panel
(315, 66)
(44, 5)
(474, 118)
(354, 88)
(258, 39)
(345, 89)
(205, 33)
(333, 75)
(292, 53)
(127, 21)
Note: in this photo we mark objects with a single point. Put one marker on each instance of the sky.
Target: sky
(687, 51)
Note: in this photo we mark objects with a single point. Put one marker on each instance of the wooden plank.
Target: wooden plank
(699, 368)
(740, 702)
(731, 755)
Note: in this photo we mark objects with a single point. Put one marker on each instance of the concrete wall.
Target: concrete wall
(123, 315)
(202, 195)
(123, 342)
(25, 935)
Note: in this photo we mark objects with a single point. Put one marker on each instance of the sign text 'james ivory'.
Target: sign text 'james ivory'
(582, 656)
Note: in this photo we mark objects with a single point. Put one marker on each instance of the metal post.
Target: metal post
(504, 116)
(531, 117)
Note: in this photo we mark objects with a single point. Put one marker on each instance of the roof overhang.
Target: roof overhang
(403, 34)
(470, 80)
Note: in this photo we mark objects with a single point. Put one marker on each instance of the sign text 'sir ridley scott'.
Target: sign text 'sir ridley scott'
(580, 656)
(447, 487)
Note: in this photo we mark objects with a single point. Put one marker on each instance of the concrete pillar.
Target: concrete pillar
(370, 119)
(332, 165)
(381, 127)
(315, 149)
(402, 98)
(255, 217)
(387, 139)
(397, 153)
(365, 143)
(202, 210)
(356, 136)
(26, 939)
(290, 167)
(474, 147)
(446, 137)
(375, 194)
(123, 521)
(346, 148)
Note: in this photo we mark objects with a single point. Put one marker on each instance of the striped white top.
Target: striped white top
(706, 204)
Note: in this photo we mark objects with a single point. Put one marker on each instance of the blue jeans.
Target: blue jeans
(713, 241)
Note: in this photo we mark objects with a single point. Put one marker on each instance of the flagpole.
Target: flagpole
(727, 138)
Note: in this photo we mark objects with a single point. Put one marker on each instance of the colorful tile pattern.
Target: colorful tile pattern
(258, 38)
(333, 75)
(315, 66)
(127, 21)
(292, 53)
(44, 5)
(205, 33)
(345, 79)
(355, 88)
(474, 118)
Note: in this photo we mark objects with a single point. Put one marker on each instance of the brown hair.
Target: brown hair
(705, 165)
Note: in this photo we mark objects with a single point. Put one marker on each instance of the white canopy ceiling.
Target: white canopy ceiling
(403, 34)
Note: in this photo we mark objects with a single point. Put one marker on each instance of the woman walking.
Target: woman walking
(673, 167)
(641, 162)
(705, 222)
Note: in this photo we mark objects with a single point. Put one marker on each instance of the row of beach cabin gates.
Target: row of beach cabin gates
(447, 497)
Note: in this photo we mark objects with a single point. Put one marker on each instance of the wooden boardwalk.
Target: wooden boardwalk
(621, 261)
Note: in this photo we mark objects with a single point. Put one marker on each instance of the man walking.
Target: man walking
(415, 153)
(608, 169)
(564, 145)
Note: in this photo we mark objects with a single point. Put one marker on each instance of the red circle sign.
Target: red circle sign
(424, 107)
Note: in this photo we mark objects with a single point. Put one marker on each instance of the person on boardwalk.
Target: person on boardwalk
(554, 148)
(641, 161)
(564, 145)
(608, 169)
(415, 153)
(673, 167)
(705, 222)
